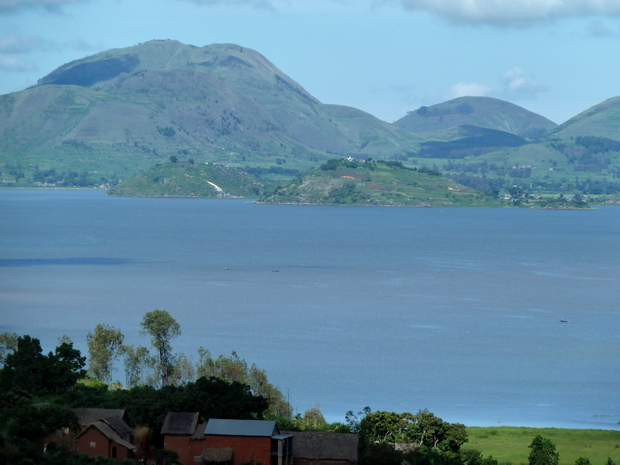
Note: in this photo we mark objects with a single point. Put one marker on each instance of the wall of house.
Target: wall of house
(245, 448)
(93, 437)
(93, 442)
(184, 446)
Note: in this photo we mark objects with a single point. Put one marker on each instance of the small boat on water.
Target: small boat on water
(562, 320)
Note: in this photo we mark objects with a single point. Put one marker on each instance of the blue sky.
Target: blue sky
(554, 57)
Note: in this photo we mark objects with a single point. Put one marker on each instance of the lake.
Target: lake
(453, 310)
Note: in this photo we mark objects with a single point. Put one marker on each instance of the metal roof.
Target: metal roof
(259, 428)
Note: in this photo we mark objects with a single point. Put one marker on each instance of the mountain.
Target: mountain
(484, 112)
(122, 110)
(111, 115)
(376, 183)
(602, 120)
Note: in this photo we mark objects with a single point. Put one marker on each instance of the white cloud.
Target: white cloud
(467, 89)
(7, 6)
(16, 42)
(516, 82)
(14, 63)
(514, 12)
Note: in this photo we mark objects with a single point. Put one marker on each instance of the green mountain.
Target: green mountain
(121, 111)
(191, 180)
(602, 120)
(376, 183)
(483, 112)
(114, 114)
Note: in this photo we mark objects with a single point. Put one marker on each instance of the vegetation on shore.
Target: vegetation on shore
(509, 445)
(189, 179)
(38, 393)
(376, 183)
(390, 183)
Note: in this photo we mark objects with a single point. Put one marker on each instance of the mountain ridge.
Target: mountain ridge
(113, 114)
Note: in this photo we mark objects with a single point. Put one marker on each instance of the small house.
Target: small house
(184, 435)
(233, 442)
(106, 437)
(320, 448)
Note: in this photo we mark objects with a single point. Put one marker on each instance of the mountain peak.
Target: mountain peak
(486, 112)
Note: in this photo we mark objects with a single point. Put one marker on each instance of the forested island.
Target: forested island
(337, 182)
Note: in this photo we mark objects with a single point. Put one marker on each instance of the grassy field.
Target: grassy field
(509, 445)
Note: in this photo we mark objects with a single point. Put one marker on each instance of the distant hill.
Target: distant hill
(602, 120)
(380, 183)
(484, 112)
(191, 180)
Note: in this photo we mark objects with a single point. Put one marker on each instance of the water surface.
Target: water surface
(454, 310)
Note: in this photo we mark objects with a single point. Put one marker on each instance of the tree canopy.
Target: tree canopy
(543, 452)
(104, 345)
(423, 428)
(28, 370)
(163, 329)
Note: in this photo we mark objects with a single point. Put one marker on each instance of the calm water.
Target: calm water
(454, 310)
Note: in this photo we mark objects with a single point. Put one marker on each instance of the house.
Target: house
(86, 416)
(319, 448)
(225, 442)
(234, 442)
(107, 437)
(184, 435)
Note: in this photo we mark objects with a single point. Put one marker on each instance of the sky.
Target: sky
(556, 58)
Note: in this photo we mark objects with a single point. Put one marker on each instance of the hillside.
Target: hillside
(122, 110)
(109, 116)
(602, 120)
(191, 180)
(382, 183)
(483, 112)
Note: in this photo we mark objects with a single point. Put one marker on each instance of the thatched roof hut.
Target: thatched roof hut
(314, 447)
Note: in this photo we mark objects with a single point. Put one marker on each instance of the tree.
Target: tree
(423, 428)
(25, 367)
(65, 368)
(434, 432)
(104, 346)
(312, 420)
(138, 365)
(183, 370)
(173, 159)
(582, 461)
(162, 328)
(29, 370)
(8, 344)
(543, 452)
(383, 426)
(233, 369)
(24, 425)
(213, 398)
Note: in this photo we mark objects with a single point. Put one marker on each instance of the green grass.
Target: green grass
(509, 444)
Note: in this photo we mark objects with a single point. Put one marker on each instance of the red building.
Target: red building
(104, 437)
(184, 435)
(228, 442)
